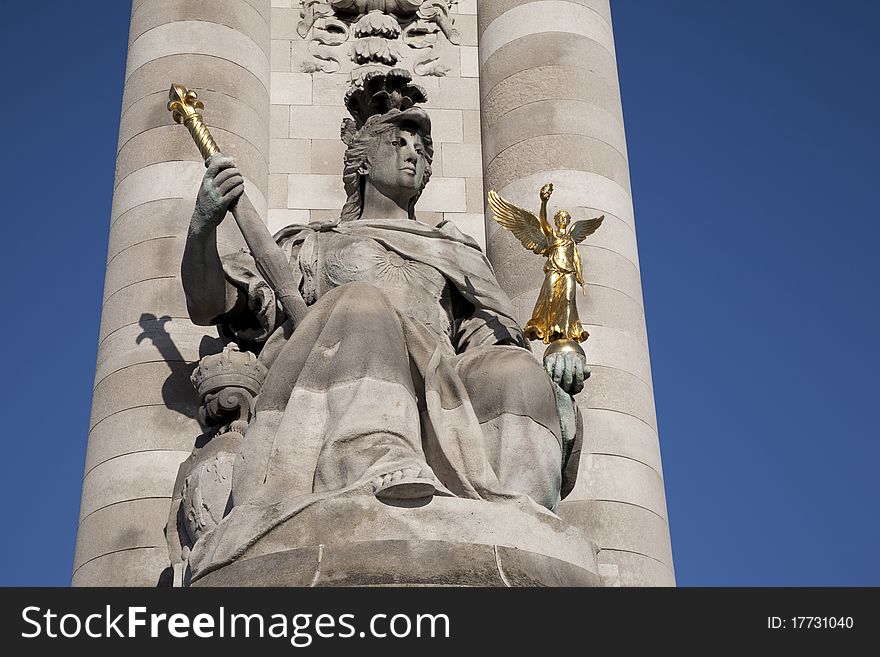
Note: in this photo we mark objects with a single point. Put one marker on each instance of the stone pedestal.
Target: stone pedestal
(446, 542)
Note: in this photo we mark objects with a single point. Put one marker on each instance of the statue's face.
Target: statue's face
(562, 218)
(398, 164)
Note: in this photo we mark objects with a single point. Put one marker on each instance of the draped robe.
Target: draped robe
(409, 359)
(555, 315)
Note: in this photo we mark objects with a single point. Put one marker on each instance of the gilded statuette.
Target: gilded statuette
(555, 319)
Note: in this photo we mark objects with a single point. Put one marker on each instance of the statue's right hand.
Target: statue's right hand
(221, 187)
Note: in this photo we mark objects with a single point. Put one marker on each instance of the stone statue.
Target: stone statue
(407, 378)
(555, 316)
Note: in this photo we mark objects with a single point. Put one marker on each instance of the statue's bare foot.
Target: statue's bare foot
(407, 484)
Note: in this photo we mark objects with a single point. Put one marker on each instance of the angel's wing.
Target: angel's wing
(582, 229)
(521, 223)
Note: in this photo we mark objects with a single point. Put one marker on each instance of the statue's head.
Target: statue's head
(392, 152)
(562, 219)
(389, 142)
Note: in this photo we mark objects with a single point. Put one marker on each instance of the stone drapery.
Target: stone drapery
(474, 411)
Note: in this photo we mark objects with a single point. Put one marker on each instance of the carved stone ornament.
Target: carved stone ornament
(227, 385)
(381, 33)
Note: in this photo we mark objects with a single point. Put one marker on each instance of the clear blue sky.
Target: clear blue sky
(753, 143)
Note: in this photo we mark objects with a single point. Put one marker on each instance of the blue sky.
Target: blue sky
(753, 142)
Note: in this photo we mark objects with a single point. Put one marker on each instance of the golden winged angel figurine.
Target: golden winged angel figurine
(555, 317)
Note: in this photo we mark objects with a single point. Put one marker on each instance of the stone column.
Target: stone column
(142, 423)
(551, 112)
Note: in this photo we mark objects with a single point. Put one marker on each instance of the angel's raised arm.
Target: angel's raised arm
(546, 228)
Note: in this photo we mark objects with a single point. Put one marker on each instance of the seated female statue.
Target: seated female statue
(408, 376)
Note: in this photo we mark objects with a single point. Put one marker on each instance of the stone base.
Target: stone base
(448, 542)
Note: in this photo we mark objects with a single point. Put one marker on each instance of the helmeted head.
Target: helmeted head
(389, 141)
(393, 152)
(562, 219)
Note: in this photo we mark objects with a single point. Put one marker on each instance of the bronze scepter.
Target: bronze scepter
(184, 105)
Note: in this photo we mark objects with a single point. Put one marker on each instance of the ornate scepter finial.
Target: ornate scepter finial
(183, 104)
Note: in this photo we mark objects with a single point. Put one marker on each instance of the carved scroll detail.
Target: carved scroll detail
(383, 33)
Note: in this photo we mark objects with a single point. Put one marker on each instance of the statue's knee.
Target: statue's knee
(518, 367)
(358, 298)
(356, 289)
(511, 379)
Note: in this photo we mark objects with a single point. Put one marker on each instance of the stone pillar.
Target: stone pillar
(142, 423)
(551, 112)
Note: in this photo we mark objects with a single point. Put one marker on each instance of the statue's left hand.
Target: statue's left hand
(568, 370)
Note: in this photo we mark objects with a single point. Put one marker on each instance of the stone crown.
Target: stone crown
(230, 368)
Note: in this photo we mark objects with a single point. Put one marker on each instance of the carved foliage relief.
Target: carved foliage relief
(413, 34)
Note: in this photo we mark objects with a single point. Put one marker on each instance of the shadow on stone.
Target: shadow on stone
(177, 391)
(406, 504)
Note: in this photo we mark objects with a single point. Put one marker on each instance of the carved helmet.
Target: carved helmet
(379, 102)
